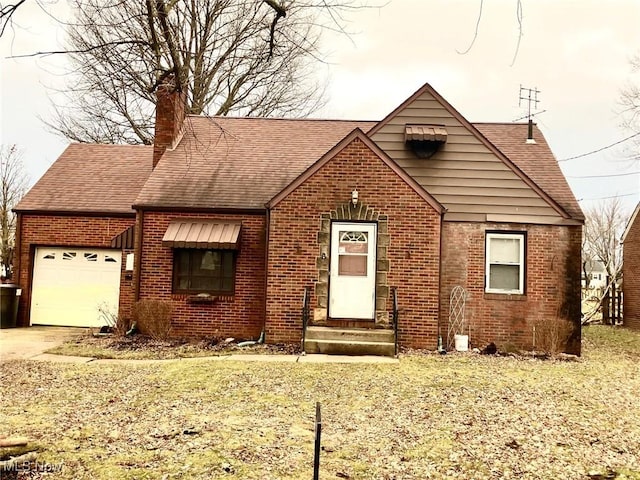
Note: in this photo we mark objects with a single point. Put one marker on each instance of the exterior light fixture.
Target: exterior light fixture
(354, 197)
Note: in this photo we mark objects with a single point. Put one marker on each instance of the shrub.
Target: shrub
(153, 318)
(551, 334)
(114, 321)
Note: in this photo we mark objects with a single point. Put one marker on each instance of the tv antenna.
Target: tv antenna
(529, 95)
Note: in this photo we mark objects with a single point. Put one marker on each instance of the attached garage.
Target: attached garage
(72, 285)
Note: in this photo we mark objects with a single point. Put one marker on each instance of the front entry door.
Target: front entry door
(352, 292)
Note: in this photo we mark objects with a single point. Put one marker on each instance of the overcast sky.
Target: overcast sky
(575, 52)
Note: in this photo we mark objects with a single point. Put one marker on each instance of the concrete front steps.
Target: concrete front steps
(349, 341)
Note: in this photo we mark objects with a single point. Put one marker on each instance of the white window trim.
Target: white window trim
(517, 236)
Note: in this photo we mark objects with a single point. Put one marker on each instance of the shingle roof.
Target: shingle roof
(227, 162)
(536, 160)
(91, 178)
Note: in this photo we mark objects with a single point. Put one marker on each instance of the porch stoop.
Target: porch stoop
(349, 341)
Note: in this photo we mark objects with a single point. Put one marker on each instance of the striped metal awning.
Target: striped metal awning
(425, 133)
(199, 234)
(125, 240)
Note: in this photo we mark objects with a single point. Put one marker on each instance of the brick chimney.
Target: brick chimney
(170, 115)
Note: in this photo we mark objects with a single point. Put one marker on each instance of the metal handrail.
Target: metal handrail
(396, 314)
(305, 313)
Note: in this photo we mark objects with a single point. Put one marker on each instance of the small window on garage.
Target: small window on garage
(109, 259)
(68, 255)
(49, 256)
(91, 257)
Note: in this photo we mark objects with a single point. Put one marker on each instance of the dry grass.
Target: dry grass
(455, 416)
(138, 347)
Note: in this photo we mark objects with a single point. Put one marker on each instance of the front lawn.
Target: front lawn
(453, 416)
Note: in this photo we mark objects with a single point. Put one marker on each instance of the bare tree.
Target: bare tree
(247, 57)
(518, 5)
(588, 260)
(604, 225)
(603, 229)
(630, 99)
(13, 185)
(7, 11)
(630, 107)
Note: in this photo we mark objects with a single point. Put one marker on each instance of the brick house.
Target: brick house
(630, 269)
(231, 220)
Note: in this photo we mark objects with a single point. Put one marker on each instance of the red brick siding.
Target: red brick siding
(240, 315)
(58, 230)
(552, 282)
(414, 229)
(127, 288)
(631, 276)
(170, 114)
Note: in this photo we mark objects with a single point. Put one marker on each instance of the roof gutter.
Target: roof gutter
(214, 210)
(74, 213)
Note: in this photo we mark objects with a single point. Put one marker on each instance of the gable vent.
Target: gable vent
(425, 140)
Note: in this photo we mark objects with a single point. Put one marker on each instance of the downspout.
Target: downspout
(15, 267)
(266, 272)
(138, 255)
(441, 348)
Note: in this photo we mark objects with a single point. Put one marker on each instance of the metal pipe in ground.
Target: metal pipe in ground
(316, 452)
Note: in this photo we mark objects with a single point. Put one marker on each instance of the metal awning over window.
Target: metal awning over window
(198, 234)
(425, 133)
(425, 140)
(126, 239)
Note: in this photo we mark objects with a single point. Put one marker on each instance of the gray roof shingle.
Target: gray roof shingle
(90, 178)
(230, 162)
(227, 162)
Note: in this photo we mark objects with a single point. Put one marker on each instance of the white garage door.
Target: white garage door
(71, 286)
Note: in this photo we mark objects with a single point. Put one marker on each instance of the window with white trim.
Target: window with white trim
(505, 263)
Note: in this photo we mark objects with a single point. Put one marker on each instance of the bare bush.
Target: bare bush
(551, 334)
(153, 317)
(117, 323)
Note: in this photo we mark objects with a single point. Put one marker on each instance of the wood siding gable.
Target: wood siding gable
(468, 174)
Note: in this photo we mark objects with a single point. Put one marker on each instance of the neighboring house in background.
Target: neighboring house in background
(630, 271)
(597, 275)
(234, 217)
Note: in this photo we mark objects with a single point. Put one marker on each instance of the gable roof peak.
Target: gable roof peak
(357, 134)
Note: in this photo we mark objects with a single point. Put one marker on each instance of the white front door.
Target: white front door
(71, 285)
(352, 292)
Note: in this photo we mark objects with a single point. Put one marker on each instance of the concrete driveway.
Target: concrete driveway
(24, 343)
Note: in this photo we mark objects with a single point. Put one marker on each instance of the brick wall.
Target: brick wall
(552, 282)
(58, 230)
(240, 315)
(413, 250)
(170, 114)
(631, 276)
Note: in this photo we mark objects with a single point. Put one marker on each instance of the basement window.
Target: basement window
(210, 271)
(505, 263)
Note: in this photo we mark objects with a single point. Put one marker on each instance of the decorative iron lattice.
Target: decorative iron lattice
(457, 321)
